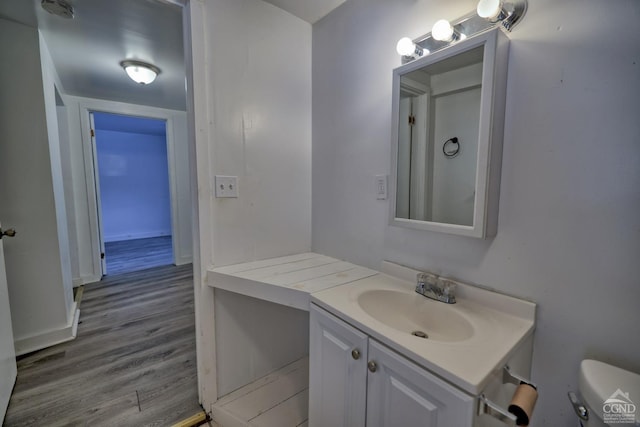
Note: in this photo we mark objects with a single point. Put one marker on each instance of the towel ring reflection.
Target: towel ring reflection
(451, 147)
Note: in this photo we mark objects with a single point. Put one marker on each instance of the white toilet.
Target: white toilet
(610, 395)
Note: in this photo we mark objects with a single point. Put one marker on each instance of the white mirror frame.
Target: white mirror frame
(491, 129)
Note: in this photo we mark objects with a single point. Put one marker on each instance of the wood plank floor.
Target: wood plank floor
(139, 254)
(132, 364)
(279, 399)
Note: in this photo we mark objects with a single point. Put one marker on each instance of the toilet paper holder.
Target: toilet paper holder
(487, 407)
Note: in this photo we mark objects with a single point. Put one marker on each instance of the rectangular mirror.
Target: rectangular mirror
(448, 120)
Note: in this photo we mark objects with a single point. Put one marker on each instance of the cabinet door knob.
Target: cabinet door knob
(355, 353)
(373, 366)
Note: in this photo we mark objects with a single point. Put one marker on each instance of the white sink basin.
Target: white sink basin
(415, 314)
(467, 341)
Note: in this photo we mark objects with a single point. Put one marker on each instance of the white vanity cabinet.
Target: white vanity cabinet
(356, 381)
(401, 393)
(338, 374)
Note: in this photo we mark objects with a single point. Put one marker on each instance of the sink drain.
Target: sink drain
(420, 334)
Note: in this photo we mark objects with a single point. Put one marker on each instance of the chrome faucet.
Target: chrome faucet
(437, 288)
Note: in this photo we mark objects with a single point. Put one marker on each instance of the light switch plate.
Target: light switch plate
(381, 187)
(226, 186)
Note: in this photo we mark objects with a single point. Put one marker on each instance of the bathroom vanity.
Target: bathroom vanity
(383, 355)
(359, 347)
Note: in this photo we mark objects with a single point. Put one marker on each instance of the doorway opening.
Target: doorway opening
(132, 191)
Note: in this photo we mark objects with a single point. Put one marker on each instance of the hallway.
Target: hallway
(133, 362)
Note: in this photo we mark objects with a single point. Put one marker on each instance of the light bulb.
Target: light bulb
(140, 72)
(442, 30)
(141, 75)
(405, 47)
(489, 9)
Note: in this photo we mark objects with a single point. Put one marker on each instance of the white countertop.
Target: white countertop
(287, 280)
(500, 323)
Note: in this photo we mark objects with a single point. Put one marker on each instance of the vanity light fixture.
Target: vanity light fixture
(487, 15)
(407, 48)
(140, 72)
(506, 13)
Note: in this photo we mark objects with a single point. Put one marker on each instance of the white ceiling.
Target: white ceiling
(307, 10)
(87, 50)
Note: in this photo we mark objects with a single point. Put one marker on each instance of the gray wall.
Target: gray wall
(569, 225)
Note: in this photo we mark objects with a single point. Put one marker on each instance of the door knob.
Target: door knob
(373, 366)
(9, 233)
(355, 354)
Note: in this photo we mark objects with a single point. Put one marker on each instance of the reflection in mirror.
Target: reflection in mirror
(438, 131)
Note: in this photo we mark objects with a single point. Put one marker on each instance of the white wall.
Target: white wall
(84, 192)
(51, 83)
(252, 92)
(260, 111)
(568, 235)
(254, 337)
(454, 178)
(31, 193)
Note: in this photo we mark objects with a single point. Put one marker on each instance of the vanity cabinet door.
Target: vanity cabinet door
(401, 393)
(337, 371)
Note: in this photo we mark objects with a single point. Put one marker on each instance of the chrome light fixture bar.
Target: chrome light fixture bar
(488, 14)
(140, 72)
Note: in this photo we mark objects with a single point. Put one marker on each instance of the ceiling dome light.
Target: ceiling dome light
(442, 30)
(58, 7)
(140, 72)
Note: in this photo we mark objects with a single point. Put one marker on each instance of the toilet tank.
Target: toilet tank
(611, 394)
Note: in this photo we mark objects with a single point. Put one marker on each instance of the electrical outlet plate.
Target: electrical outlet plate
(226, 186)
(381, 187)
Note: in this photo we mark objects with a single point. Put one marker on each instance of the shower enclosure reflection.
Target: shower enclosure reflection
(438, 125)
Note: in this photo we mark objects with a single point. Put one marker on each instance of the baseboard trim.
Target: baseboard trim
(184, 260)
(49, 338)
(91, 279)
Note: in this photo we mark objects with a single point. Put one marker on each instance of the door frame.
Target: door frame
(96, 177)
(89, 106)
(8, 367)
(199, 141)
